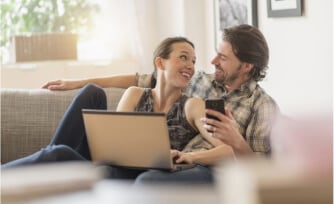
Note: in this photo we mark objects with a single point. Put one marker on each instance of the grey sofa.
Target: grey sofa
(29, 118)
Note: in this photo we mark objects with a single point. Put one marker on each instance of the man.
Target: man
(241, 61)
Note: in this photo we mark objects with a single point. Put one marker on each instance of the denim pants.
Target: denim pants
(196, 175)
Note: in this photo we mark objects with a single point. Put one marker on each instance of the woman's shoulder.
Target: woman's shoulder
(135, 90)
(195, 100)
(130, 98)
(194, 103)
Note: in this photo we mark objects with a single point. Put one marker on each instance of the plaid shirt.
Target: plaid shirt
(252, 108)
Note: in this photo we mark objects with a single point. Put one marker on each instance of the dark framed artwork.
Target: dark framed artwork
(284, 8)
(233, 12)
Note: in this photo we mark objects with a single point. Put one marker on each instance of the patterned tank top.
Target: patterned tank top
(180, 131)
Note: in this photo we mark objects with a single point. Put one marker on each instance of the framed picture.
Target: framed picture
(284, 8)
(233, 12)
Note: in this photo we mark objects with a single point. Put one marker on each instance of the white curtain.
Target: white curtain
(124, 31)
(156, 20)
(114, 29)
(147, 32)
(131, 29)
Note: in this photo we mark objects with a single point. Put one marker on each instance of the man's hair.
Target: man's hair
(163, 50)
(250, 46)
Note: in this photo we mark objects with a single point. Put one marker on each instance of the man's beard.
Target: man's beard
(224, 78)
(220, 77)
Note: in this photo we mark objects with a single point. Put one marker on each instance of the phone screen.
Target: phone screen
(215, 104)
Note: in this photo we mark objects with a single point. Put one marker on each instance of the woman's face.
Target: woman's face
(180, 66)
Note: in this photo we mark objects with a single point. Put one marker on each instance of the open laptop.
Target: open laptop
(129, 139)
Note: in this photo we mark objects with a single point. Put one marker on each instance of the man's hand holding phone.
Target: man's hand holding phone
(226, 130)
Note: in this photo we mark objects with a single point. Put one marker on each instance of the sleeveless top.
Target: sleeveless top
(180, 131)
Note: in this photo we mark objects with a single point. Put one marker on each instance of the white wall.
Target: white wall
(301, 58)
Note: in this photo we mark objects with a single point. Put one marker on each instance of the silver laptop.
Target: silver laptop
(129, 139)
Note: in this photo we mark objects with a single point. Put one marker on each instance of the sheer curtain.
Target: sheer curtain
(156, 20)
(131, 29)
(121, 28)
(123, 32)
(147, 32)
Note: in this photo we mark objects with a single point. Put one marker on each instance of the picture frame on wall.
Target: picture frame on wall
(229, 13)
(284, 8)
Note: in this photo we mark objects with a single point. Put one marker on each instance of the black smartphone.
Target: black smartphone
(215, 104)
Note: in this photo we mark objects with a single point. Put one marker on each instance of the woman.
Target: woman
(174, 61)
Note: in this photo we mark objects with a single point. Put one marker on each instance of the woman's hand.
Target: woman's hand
(62, 85)
(181, 157)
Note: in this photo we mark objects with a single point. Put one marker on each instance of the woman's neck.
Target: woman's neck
(164, 97)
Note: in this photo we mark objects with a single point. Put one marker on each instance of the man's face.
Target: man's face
(227, 65)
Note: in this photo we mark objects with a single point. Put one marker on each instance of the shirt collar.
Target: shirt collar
(218, 85)
(248, 87)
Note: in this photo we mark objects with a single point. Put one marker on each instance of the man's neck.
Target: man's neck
(164, 97)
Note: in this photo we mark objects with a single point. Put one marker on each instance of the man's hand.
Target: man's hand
(61, 85)
(227, 130)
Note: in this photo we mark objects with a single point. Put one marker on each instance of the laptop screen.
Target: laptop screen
(130, 139)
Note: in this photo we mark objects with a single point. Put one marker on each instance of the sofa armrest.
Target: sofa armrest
(29, 118)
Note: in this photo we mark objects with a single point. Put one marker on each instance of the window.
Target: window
(105, 29)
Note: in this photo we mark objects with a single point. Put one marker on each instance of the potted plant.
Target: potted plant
(44, 29)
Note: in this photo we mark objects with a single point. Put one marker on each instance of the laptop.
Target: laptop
(129, 139)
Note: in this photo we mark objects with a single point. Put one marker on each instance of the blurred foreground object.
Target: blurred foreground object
(28, 182)
(305, 142)
(299, 171)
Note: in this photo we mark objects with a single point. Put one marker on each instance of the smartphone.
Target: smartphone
(215, 104)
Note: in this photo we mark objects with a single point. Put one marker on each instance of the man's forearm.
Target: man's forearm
(242, 148)
(212, 156)
(119, 81)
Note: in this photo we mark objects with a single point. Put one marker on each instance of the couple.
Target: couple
(243, 130)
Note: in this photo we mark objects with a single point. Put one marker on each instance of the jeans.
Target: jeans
(196, 175)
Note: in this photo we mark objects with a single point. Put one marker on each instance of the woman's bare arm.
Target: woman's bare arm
(195, 110)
